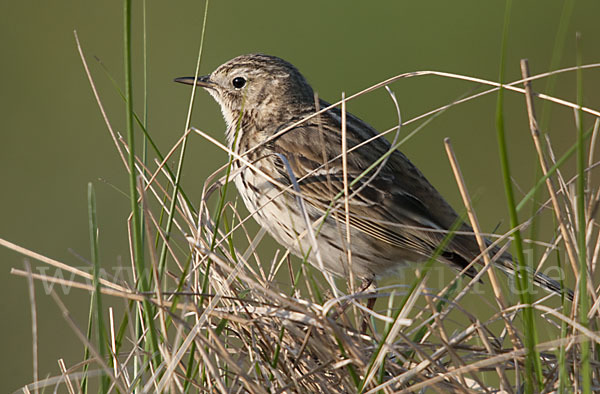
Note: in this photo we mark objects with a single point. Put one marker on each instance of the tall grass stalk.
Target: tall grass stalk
(586, 372)
(143, 278)
(533, 365)
(101, 337)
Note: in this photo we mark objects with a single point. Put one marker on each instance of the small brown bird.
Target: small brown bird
(395, 215)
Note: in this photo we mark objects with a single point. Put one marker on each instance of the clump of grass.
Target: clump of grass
(207, 312)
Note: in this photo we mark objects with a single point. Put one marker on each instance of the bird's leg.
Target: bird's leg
(367, 286)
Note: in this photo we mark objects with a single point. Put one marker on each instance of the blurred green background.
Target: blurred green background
(54, 140)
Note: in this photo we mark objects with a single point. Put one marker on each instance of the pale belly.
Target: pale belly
(279, 213)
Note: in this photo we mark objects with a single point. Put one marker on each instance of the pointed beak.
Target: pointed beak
(203, 81)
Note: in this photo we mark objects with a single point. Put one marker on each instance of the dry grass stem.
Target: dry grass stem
(232, 316)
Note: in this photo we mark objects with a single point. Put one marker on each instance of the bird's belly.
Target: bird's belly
(280, 214)
(271, 209)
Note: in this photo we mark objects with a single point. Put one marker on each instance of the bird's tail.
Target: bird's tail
(507, 265)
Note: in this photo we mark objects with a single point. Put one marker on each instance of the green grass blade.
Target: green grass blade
(533, 366)
(163, 253)
(143, 284)
(586, 372)
(97, 295)
(86, 351)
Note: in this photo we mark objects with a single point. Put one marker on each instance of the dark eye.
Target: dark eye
(238, 82)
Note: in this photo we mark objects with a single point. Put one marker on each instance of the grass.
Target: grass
(533, 366)
(211, 313)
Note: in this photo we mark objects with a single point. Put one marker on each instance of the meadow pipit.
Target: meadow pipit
(395, 215)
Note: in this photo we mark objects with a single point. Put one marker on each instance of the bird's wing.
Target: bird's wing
(398, 206)
(384, 207)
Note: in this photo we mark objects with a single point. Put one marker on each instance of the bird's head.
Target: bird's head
(265, 88)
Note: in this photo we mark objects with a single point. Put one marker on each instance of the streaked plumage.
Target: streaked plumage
(396, 217)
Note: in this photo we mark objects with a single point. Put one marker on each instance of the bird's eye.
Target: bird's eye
(238, 82)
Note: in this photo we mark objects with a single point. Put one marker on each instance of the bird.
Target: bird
(292, 174)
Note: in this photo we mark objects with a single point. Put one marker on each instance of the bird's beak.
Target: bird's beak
(203, 81)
